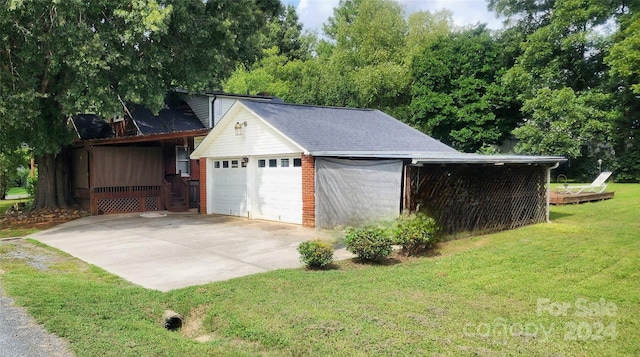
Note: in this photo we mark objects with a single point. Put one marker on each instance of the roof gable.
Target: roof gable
(258, 136)
(341, 130)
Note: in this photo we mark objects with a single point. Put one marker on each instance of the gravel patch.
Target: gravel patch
(20, 335)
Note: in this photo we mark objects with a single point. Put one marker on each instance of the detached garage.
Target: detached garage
(311, 165)
(328, 167)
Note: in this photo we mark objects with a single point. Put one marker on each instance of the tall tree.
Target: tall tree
(285, 32)
(624, 60)
(68, 57)
(457, 95)
(563, 52)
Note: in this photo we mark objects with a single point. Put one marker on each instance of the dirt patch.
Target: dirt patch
(40, 258)
(193, 323)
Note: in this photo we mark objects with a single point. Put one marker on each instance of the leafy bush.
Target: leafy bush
(32, 185)
(316, 253)
(416, 233)
(370, 243)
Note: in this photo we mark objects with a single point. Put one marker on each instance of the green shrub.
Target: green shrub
(371, 243)
(32, 185)
(316, 253)
(415, 232)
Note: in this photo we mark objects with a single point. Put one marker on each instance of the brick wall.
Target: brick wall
(308, 191)
(203, 185)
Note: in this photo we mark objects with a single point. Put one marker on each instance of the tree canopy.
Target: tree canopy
(68, 57)
(457, 96)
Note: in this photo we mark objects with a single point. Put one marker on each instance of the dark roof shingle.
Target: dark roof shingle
(90, 126)
(177, 117)
(332, 129)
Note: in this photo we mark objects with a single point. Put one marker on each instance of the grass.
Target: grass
(6, 232)
(498, 294)
(17, 191)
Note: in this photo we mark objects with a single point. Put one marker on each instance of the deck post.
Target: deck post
(548, 192)
(549, 188)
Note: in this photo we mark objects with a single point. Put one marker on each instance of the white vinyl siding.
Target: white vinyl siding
(257, 139)
(221, 106)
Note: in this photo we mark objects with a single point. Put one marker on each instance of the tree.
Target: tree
(68, 57)
(363, 64)
(457, 97)
(559, 122)
(285, 33)
(563, 57)
(624, 61)
(424, 28)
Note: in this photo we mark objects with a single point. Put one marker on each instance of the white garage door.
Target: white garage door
(229, 187)
(278, 189)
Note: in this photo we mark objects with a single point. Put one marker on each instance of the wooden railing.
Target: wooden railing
(179, 187)
(194, 193)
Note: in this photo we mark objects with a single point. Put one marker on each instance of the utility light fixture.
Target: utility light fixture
(239, 127)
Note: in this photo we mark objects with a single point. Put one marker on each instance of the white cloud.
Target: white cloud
(313, 13)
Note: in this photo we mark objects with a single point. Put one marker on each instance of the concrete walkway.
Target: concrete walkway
(16, 197)
(169, 251)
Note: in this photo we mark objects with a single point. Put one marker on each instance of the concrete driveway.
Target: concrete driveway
(166, 251)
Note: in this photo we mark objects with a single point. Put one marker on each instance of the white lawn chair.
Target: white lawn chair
(598, 185)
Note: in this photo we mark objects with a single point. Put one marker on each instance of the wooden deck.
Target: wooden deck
(557, 198)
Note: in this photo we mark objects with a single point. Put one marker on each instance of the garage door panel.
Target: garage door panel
(278, 194)
(229, 189)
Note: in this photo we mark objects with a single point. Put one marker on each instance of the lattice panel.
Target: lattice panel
(476, 198)
(152, 203)
(118, 205)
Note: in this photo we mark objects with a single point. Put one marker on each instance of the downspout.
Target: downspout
(549, 188)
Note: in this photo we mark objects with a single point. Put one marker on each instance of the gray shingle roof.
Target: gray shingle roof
(332, 130)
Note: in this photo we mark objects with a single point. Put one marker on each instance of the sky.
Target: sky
(313, 13)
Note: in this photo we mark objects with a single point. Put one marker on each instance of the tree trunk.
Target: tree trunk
(53, 190)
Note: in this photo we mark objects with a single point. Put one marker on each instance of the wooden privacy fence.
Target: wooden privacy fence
(478, 198)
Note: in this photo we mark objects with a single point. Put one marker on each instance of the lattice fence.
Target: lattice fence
(127, 199)
(118, 205)
(477, 198)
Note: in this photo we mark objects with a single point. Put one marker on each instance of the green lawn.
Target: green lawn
(569, 288)
(17, 191)
(13, 232)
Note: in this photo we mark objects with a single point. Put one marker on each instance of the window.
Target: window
(216, 164)
(182, 160)
(297, 162)
(284, 162)
(273, 162)
(261, 163)
(234, 164)
(225, 164)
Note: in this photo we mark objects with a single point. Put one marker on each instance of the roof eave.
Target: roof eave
(145, 138)
(489, 159)
(371, 154)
